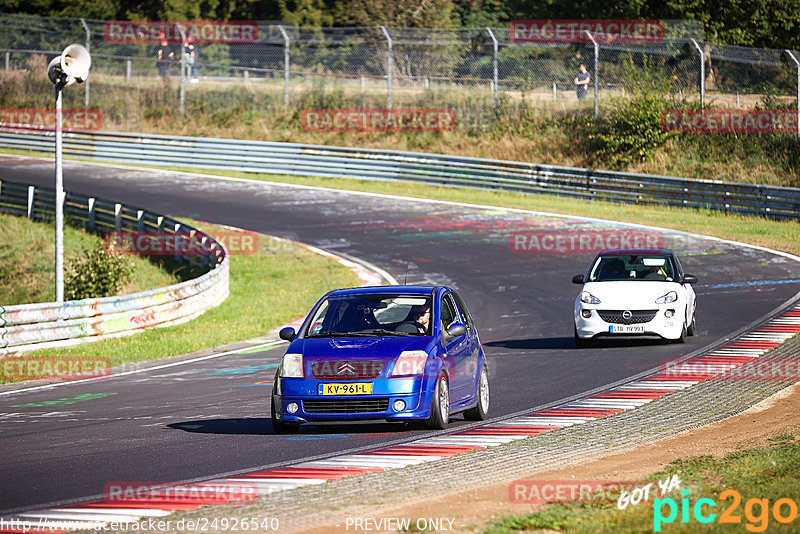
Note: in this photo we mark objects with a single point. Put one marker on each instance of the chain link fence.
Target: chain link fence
(475, 72)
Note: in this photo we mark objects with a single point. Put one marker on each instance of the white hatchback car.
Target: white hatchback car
(635, 292)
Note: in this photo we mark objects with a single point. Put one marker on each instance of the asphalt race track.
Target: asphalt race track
(212, 416)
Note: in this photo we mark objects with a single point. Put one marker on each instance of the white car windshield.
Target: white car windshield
(371, 315)
(646, 267)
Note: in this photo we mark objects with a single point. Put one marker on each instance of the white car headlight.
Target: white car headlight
(588, 298)
(410, 362)
(292, 366)
(666, 299)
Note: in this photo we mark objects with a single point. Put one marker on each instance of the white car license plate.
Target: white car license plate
(626, 329)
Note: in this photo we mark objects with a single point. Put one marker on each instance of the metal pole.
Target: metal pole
(286, 44)
(796, 62)
(128, 70)
(8, 60)
(183, 73)
(388, 68)
(59, 201)
(494, 62)
(554, 92)
(596, 60)
(89, 48)
(702, 74)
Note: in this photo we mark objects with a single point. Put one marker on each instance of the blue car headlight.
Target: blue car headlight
(292, 366)
(410, 362)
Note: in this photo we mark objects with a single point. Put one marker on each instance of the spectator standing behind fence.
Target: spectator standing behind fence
(582, 81)
(164, 54)
(190, 57)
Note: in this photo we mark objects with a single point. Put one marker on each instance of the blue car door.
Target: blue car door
(457, 352)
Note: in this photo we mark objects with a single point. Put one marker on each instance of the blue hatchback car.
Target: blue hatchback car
(394, 353)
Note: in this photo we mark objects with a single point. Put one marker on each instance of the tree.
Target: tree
(398, 13)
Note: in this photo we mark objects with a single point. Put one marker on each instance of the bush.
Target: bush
(96, 273)
(630, 133)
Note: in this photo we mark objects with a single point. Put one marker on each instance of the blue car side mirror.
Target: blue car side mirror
(455, 330)
(287, 333)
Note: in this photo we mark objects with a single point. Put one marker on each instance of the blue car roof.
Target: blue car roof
(390, 290)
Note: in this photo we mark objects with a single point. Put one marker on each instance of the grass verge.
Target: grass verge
(761, 476)
(27, 250)
(277, 284)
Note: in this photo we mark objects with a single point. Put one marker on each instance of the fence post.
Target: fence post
(702, 74)
(89, 48)
(554, 92)
(118, 217)
(128, 70)
(494, 63)
(596, 60)
(8, 60)
(794, 60)
(286, 44)
(92, 216)
(388, 67)
(183, 73)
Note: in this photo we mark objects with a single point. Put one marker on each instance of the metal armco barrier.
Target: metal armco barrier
(439, 169)
(38, 326)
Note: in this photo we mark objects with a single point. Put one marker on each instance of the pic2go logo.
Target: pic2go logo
(756, 511)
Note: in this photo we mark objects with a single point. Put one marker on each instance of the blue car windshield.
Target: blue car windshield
(372, 315)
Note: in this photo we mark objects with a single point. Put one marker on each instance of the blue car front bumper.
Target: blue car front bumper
(416, 393)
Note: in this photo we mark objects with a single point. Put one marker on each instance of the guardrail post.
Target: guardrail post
(796, 62)
(176, 229)
(702, 73)
(128, 70)
(286, 44)
(140, 221)
(31, 193)
(118, 217)
(89, 48)
(183, 70)
(92, 216)
(388, 67)
(495, 45)
(596, 60)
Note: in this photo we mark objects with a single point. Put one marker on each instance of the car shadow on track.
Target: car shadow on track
(263, 426)
(560, 343)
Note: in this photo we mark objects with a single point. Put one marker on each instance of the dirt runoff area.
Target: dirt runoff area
(473, 510)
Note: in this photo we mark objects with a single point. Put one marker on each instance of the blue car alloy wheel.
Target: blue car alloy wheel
(383, 353)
